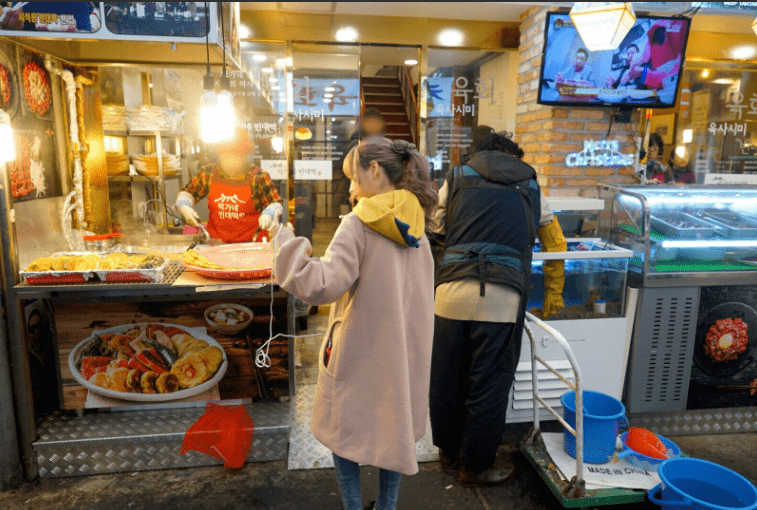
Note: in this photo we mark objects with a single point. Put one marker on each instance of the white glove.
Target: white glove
(270, 215)
(189, 215)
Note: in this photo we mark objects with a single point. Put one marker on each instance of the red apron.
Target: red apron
(232, 217)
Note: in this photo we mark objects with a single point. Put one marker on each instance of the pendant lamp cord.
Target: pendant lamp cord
(223, 39)
(207, 35)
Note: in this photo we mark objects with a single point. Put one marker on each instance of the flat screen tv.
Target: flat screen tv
(643, 72)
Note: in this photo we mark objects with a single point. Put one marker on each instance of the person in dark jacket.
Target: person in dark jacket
(490, 211)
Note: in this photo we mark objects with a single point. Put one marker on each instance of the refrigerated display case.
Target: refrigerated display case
(689, 244)
(595, 321)
(685, 235)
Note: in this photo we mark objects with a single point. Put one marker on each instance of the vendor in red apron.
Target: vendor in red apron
(242, 200)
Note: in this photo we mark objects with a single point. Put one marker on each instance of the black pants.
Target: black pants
(472, 369)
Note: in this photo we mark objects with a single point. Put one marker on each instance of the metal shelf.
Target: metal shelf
(153, 178)
(142, 133)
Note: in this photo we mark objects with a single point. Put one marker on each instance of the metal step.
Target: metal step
(109, 442)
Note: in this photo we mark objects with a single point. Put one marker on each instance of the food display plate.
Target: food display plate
(701, 229)
(237, 255)
(146, 397)
(732, 310)
(733, 224)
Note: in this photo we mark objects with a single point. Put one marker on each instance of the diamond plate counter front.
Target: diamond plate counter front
(146, 440)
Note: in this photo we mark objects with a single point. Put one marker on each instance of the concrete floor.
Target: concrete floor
(271, 486)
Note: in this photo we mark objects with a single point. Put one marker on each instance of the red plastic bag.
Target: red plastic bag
(223, 432)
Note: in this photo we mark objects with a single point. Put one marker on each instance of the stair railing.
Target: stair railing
(408, 96)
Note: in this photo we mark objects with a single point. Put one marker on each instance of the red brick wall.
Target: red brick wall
(548, 134)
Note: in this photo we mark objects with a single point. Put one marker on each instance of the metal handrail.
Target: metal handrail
(578, 430)
(408, 96)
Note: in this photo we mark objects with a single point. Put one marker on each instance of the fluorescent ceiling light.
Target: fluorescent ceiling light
(267, 70)
(681, 151)
(244, 31)
(602, 25)
(709, 244)
(346, 34)
(705, 73)
(724, 81)
(259, 57)
(450, 37)
(688, 135)
(411, 62)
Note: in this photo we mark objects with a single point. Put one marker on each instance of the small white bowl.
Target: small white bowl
(228, 328)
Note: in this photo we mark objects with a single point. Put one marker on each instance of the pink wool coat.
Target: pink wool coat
(372, 400)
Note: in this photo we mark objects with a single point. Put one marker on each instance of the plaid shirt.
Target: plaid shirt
(263, 191)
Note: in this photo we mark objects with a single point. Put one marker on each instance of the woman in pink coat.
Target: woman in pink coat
(373, 383)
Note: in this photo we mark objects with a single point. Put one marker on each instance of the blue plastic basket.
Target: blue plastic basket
(642, 461)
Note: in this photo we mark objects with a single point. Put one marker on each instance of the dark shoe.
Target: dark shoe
(448, 463)
(499, 473)
(370, 506)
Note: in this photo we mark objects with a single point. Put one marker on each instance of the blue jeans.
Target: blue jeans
(348, 476)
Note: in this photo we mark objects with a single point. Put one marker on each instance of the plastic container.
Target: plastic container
(642, 461)
(701, 485)
(603, 417)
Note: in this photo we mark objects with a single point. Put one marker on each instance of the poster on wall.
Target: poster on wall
(34, 173)
(10, 93)
(175, 19)
(724, 372)
(165, 354)
(70, 17)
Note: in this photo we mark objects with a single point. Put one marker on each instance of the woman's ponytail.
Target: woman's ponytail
(405, 167)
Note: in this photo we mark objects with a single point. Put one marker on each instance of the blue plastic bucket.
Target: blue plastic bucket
(702, 485)
(603, 416)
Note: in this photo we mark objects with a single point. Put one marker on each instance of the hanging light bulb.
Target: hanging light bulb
(225, 104)
(209, 118)
(7, 146)
(225, 113)
(209, 121)
(602, 25)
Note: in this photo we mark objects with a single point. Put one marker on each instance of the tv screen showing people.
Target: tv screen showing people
(643, 72)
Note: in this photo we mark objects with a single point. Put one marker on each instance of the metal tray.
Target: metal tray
(733, 224)
(701, 230)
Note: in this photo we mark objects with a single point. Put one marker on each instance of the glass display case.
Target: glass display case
(684, 236)
(595, 280)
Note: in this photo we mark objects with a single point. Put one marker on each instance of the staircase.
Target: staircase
(385, 94)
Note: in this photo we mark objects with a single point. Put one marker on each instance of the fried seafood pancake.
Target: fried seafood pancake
(212, 357)
(194, 346)
(190, 371)
(133, 379)
(59, 264)
(118, 378)
(167, 383)
(147, 382)
(86, 262)
(100, 379)
(180, 339)
(192, 258)
(41, 264)
(121, 343)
